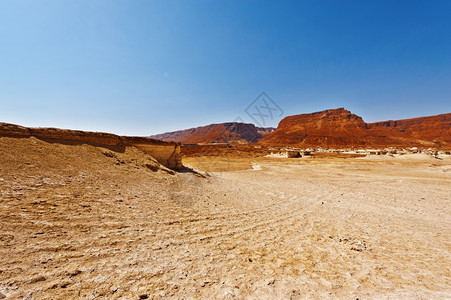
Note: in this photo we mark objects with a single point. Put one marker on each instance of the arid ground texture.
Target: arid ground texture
(86, 222)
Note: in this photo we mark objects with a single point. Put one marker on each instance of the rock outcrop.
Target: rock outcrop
(435, 129)
(233, 132)
(339, 128)
(166, 153)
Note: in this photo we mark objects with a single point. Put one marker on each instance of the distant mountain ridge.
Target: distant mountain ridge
(339, 128)
(332, 128)
(231, 132)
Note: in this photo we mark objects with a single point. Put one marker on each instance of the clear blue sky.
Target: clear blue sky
(145, 67)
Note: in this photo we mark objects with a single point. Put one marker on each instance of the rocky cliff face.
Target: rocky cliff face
(339, 128)
(329, 127)
(167, 153)
(435, 129)
(232, 132)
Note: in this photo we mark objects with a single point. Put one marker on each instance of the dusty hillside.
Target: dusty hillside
(217, 133)
(167, 153)
(339, 128)
(63, 209)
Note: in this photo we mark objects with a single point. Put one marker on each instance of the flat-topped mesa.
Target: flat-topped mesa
(323, 119)
(328, 128)
(166, 153)
(339, 128)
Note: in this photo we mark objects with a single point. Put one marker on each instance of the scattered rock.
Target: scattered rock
(75, 273)
(37, 279)
(108, 154)
(295, 294)
(207, 281)
(152, 166)
(356, 249)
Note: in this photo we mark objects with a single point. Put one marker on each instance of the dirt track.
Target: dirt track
(77, 221)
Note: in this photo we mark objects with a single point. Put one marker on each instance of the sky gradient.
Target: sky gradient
(146, 67)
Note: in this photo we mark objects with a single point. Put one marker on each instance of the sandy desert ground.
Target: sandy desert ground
(86, 222)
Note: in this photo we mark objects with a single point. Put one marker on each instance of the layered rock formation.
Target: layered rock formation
(435, 129)
(339, 128)
(232, 132)
(167, 153)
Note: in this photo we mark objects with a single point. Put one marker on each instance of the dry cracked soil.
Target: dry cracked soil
(83, 222)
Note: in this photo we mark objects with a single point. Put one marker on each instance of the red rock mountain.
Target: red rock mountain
(339, 128)
(436, 129)
(233, 132)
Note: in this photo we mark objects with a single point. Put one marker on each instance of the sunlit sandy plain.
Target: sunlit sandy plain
(82, 222)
